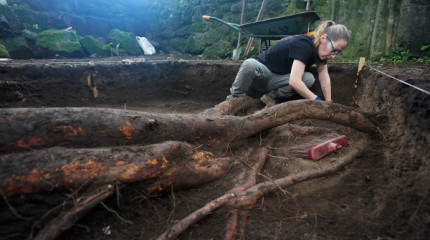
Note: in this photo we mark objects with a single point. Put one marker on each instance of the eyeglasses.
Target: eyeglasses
(335, 51)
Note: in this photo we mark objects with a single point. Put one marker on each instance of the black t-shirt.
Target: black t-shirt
(279, 57)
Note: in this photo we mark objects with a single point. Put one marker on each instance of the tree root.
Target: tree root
(233, 106)
(62, 148)
(246, 199)
(179, 227)
(66, 219)
(169, 163)
(25, 129)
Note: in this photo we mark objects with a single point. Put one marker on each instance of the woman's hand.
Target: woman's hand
(297, 71)
(325, 82)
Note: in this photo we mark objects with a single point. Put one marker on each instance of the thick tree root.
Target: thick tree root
(247, 198)
(233, 106)
(170, 163)
(34, 128)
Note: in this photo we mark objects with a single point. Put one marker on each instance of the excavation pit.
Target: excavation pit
(383, 193)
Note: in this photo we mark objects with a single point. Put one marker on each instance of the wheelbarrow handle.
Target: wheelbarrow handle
(234, 26)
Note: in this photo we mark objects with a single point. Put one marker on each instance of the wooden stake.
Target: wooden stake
(360, 65)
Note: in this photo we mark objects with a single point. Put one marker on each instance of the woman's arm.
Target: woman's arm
(297, 71)
(324, 81)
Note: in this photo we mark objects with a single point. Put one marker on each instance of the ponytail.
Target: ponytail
(335, 31)
(321, 30)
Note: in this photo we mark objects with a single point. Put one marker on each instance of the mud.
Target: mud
(384, 194)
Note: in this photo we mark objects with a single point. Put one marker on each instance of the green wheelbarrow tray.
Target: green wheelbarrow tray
(275, 28)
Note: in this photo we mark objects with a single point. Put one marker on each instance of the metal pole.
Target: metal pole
(260, 13)
(308, 4)
(236, 53)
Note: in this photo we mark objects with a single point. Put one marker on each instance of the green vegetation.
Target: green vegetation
(126, 40)
(107, 48)
(55, 41)
(3, 52)
(397, 57)
(91, 45)
(404, 57)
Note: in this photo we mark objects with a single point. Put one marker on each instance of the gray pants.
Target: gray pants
(254, 74)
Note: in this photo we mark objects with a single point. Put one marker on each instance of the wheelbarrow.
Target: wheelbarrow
(274, 28)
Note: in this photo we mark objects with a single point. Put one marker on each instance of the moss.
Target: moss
(194, 46)
(323, 8)
(3, 52)
(91, 45)
(218, 50)
(183, 31)
(58, 40)
(199, 27)
(54, 42)
(126, 40)
(176, 44)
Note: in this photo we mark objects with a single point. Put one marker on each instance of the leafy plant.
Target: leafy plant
(116, 51)
(113, 51)
(228, 54)
(405, 55)
(422, 58)
(108, 45)
(423, 48)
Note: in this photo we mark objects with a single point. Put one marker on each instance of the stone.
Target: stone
(3, 52)
(126, 40)
(58, 43)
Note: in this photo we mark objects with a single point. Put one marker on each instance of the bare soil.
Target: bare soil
(383, 194)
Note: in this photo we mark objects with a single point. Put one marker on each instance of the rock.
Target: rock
(29, 34)
(55, 42)
(194, 46)
(5, 30)
(3, 52)
(126, 40)
(18, 47)
(217, 50)
(91, 45)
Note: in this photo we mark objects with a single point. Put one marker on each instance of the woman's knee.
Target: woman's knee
(248, 63)
(309, 79)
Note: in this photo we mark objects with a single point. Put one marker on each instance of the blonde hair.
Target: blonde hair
(335, 31)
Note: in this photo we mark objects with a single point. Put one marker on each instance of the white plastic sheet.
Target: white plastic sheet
(146, 46)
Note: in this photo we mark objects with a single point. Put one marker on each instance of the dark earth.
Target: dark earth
(383, 194)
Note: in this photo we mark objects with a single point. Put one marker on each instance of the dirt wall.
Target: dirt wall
(112, 82)
(116, 82)
(406, 133)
